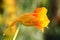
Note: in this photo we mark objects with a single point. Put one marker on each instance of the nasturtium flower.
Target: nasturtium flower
(38, 18)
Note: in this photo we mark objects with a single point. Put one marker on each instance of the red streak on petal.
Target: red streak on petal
(36, 11)
(38, 25)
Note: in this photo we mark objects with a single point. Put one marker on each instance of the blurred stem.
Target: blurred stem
(16, 33)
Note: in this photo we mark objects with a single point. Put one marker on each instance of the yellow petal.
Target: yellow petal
(41, 15)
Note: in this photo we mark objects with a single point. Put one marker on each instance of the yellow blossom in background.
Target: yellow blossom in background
(0, 19)
(11, 8)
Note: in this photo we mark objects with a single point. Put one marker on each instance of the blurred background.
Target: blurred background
(11, 9)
